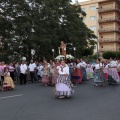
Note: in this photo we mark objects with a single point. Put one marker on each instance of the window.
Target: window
(93, 28)
(83, 9)
(94, 47)
(84, 19)
(92, 18)
(92, 8)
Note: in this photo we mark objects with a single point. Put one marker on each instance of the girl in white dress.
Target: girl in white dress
(99, 78)
(8, 83)
(64, 87)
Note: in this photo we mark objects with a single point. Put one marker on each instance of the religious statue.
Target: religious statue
(63, 48)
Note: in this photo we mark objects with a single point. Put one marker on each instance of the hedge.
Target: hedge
(3, 58)
(108, 54)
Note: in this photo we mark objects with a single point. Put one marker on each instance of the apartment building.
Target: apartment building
(103, 17)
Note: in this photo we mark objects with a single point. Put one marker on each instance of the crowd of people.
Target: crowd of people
(61, 74)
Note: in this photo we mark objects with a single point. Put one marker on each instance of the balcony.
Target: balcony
(108, 30)
(118, 49)
(106, 1)
(109, 9)
(109, 40)
(108, 49)
(111, 19)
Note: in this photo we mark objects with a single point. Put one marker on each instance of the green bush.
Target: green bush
(4, 58)
(108, 54)
(87, 51)
(117, 55)
(90, 58)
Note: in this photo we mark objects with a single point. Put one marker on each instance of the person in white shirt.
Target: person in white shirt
(77, 74)
(63, 85)
(99, 78)
(53, 68)
(116, 61)
(32, 67)
(39, 71)
(46, 74)
(113, 76)
(118, 68)
(105, 69)
(23, 70)
(83, 67)
(71, 68)
(89, 70)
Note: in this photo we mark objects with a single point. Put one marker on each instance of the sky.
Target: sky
(78, 0)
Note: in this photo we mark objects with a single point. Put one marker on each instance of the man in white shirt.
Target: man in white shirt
(32, 67)
(23, 70)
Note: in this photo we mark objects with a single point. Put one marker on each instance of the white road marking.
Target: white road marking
(11, 96)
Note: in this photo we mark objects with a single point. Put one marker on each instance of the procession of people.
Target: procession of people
(61, 74)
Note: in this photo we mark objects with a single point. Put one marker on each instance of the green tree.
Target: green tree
(41, 25)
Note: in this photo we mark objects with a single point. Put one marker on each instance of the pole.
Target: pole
(53, 55)
(55, 82)
(53, 52)
(1, 45)
(97, 31)
(74, 48)
(55, 88)
(75, 54)
(59, 50)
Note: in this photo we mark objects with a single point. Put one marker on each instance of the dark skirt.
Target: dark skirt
(84, 74)
(119, 74)
(77, 76)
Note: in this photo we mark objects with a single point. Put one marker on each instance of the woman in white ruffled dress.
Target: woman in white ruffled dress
(64, 87)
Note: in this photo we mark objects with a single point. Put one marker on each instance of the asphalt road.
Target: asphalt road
(36, 102)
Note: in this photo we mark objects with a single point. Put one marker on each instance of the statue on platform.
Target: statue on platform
(63, 48)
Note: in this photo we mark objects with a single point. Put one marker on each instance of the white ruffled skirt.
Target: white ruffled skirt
(64, 87)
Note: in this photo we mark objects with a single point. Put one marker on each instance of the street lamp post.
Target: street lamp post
(97, 31)
(74, 48)
(70, 47)
(1, 44)
(32, 52)
(53, 52)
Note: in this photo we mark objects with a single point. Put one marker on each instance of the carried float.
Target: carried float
(62, 54)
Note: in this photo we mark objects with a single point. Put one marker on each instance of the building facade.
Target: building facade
(103, 17)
